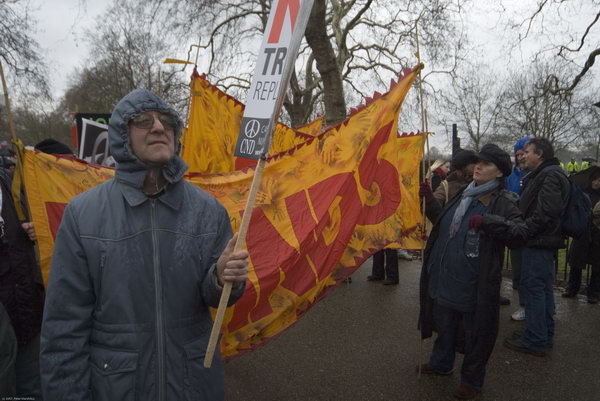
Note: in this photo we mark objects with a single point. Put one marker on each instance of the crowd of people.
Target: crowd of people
(520, 206)
(104, 328)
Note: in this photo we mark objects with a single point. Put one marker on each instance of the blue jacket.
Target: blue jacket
(513, 181)
(131, 282)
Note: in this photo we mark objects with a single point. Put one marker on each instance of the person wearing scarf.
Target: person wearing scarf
(459, 292)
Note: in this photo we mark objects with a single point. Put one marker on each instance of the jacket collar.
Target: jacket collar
(455, 177)
(172, 195)
(487, 197)
(546, 163)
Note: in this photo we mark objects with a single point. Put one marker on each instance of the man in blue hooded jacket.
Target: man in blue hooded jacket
(514, 184)
(137, 262)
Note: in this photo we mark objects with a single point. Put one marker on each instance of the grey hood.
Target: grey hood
(129, 168)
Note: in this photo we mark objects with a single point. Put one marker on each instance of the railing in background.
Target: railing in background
(561, 267)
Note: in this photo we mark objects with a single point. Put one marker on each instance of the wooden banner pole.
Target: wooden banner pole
(424, 131)
(11, 125)
(241, 241)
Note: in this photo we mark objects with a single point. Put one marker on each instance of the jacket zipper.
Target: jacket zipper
(159, 313)
(100, 279)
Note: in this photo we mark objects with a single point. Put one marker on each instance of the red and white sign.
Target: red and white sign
(284, 32)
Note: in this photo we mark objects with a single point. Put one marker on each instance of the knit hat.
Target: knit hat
(492, 153)
(463, 158)
(53, 146)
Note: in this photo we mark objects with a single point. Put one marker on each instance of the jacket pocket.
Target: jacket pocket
(113, 374)
(202, 383)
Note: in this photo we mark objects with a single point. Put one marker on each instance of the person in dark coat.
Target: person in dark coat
(22, 297)
(545, 194)
(138, 260)
(586, 250)
(461, 274)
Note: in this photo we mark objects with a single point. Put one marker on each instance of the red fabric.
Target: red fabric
(476, 221)
(425, 191)
(440, 172)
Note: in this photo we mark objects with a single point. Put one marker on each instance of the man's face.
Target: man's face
(152, 137)
(519, 156)
(596, 184)
(530, 159)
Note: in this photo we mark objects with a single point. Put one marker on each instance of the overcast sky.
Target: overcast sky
(61, 32)
(62, 25)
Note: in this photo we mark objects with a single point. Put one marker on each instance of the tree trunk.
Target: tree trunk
(333, 89)
(296, 108)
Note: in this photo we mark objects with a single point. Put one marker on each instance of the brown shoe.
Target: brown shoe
(465, 392)
(428, 370)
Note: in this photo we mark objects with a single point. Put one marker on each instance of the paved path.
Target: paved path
(361, 343)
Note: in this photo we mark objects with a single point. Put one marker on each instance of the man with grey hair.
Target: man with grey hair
(137, 262)
(545, 194)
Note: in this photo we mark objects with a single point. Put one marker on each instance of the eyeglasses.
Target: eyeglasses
(146, 121)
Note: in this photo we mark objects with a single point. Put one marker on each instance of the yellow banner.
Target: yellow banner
(213, 128)
(322, 209)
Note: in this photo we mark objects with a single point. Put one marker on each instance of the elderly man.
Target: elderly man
(137, 262)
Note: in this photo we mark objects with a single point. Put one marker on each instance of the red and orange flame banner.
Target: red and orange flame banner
(213, 127)
(323, 207)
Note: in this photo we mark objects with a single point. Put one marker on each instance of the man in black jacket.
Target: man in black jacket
(545, 192)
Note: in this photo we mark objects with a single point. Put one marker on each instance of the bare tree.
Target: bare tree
(19, 52)
(352, 46)
(568, 30)
(33, 125)
(126, 52)
(473, 101)
(528, 109)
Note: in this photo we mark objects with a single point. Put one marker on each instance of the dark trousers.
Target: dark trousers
(27, 370)
(537, 279)
(593, 289)
(515, 264)
(447, 321)
(385, 265)
(8, 355)
(19, 364)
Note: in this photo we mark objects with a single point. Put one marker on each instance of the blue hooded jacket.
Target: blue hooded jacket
(513, 182)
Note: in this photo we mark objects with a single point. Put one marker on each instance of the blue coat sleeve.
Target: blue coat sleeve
(66, 327)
